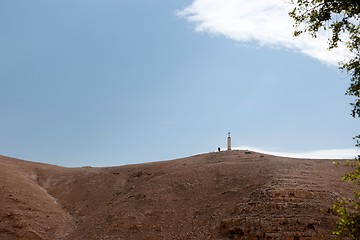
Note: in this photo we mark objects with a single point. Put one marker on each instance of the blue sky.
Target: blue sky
(115, 82)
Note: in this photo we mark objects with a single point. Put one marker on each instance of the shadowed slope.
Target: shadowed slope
(27, 211)
(222, 195)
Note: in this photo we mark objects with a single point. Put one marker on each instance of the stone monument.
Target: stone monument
(229, 142)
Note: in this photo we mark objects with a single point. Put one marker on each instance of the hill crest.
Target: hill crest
(219, 195)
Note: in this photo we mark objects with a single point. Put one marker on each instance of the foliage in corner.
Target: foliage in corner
(342, 19)
(349, 209)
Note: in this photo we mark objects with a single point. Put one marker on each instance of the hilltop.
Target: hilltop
(220, 195)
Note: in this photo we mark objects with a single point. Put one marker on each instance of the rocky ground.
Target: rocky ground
(220, 195)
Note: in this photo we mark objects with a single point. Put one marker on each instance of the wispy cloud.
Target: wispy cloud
(347, 153)
(265, 22)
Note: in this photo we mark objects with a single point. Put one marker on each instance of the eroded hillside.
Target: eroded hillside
(222, 195)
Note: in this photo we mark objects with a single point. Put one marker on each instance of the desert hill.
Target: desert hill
(220, 195)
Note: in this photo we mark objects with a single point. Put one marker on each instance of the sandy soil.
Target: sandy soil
(220, 195)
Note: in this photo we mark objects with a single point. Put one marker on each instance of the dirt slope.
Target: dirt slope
(222, 195)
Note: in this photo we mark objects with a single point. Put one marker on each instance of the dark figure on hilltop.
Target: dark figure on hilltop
(219, 149)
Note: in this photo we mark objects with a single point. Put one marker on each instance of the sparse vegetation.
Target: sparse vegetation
(342, 19)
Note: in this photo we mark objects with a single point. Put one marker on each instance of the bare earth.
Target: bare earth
(220, 195)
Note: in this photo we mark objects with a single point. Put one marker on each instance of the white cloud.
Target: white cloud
(347, 153)
(264, 21)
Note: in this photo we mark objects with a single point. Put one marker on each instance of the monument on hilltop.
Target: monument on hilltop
(229, 142)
